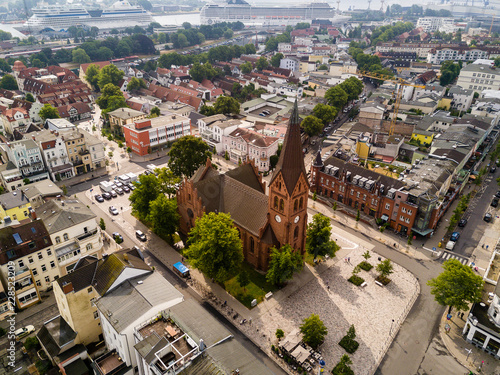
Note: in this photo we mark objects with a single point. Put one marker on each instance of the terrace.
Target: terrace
(110, 364)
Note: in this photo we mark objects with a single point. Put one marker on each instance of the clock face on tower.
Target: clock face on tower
(297, 218)
(278, 218)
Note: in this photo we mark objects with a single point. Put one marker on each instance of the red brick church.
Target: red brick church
(262, 220)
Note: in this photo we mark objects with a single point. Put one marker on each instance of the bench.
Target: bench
(364, 284)
(269, 295)
(379, 283)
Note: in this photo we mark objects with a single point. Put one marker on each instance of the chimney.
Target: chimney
(67, 287)
(125, 257)
(33, 137)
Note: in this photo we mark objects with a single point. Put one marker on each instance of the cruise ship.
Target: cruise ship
(59, 17)
(240, 10)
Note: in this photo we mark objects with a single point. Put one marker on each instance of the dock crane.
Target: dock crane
(400, 82)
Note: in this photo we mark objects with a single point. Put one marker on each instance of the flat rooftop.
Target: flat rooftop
(272, 110)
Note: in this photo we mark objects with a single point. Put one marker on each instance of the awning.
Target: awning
(384, 217)
(424, 232)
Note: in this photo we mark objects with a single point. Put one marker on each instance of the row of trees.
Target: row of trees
(337, 97)
(99, 78)
(220, 53)
(389, 32)
(192, 36)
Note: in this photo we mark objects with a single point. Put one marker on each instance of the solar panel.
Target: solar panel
(17, 237)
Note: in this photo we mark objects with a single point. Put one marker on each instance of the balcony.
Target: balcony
(85, 235)
(84, 152)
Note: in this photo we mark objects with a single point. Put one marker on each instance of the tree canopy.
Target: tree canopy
(111, 98)
(163, 216)
(247, 67)
(146, 191)
(8, 82)
(326, 113)
(318, 240)
(226, 105)
(47, 111)
(215, 247)
(276, 59)
(136, 84)
(187, 155)
(109, 74)
(312, 125)
(313, 330)
(262, 63)
(283, 264)
(336, 97)
(456, 286)
(80, 56)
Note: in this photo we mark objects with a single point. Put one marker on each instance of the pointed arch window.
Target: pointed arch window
(295, 205)
(276, 203)
(282, 205)
(252, 245)
(301, 203)
(296, 233)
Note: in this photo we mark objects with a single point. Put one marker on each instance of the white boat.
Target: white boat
(59, 18)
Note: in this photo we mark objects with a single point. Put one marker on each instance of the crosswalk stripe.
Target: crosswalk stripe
(447, 256)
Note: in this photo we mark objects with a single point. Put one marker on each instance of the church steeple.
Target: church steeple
(291, 161)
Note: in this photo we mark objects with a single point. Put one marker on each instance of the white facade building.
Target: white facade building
(438, 55)
(290, 63)
(478, 77)
(430, 24)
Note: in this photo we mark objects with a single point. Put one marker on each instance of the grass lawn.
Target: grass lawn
(257, 288)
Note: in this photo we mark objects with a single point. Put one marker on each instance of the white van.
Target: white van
(450, 245)
(106, 186)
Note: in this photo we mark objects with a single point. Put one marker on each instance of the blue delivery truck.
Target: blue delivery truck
(181, 270)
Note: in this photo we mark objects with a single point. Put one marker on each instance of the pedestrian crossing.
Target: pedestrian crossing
(445, 255)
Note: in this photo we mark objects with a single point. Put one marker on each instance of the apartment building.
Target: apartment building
(149, 135)
(479, 77)
(85, 152)
(15, 119)
(26, 157)
(467, 54)
(73, 230)
(244, 144)
(123, 116)
(15, 204)
(431, 24)
(55, 155)
(27, 251)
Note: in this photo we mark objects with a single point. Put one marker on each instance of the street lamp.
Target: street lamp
(392, 323)
(468, 353)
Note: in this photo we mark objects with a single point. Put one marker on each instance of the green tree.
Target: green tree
(336, 97)
(167, 181)
(283, 264)
(136, 84)
(246, 67)
(8, 82)
(145, 192)
(186, 25)
(279, 333)
(228, 34)
(358, 216)
(4, 66)
(385, 268)
(104, 54)
(215, 246)
(109, 74)
(457, 286)
(155, 111)
(110, 97)
(275, 60)
(326, 113)
(318, 241)
(48, 111)
(102, 224)
(312, 126)
(226, 105)
(29, 98)
(243, 279)
(80, 56)
(92, 75)
(313, 331)
(187, 155)
(343, 368)
(163, 216)
(262, 63)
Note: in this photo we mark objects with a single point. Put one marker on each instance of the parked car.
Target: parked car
(494, 202)
(487, 217)
(117, 237)
(126, 189)
(450, 245)
(455, 236)
(113, 210)
(493, 169)
(118, 184)
(99, 198)
(140, 235)
(131, 186)
(462, 223)
(497, 194)
(119, 191)
(113, 193)
(107, 196)
(23, 332)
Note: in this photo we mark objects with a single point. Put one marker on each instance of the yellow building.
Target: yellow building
(445, 103)
(15, 205)
(363, 147)
(423, 137)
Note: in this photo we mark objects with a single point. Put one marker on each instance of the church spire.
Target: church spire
(291, 161)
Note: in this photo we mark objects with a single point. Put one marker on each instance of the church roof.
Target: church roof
(291, 161)
(223, 193)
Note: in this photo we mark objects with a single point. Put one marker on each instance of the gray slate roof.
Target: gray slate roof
(12, 199)
(44, 188)
(60, 215)
(55, 334)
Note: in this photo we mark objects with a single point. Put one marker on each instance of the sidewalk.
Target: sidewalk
(477, 360)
